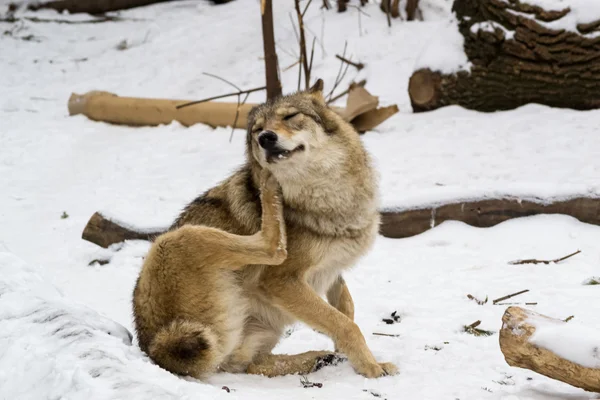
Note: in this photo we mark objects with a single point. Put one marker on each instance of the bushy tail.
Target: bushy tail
(185, 348)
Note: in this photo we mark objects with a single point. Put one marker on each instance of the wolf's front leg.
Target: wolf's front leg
(272, 231)
(295, 296)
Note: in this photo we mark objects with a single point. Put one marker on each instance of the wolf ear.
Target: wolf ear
(317, 88)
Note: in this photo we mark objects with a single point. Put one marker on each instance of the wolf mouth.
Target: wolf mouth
(277, 154)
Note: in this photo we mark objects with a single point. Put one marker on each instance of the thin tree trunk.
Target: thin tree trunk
(271, 64)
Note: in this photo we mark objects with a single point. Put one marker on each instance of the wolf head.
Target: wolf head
(299, 135)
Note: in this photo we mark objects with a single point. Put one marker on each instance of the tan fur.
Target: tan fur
(331, 215)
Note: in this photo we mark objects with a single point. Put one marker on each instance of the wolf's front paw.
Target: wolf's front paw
(377, 370)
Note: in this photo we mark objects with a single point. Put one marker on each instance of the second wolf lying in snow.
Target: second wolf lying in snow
(211, 295)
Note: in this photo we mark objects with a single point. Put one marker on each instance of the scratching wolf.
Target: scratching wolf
(198, 310)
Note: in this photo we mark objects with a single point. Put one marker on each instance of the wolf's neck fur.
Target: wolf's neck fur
(336, 198)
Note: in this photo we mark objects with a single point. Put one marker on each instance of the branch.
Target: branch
(509, 296)
(534, 261)
(350, 87)
(220, 97)
(303, 55)
(358, 65)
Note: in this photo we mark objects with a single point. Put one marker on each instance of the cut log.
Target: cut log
(92, 6)
(516, 58)
(405, 223)
(108, 107)
(520, 350)
(104, 232)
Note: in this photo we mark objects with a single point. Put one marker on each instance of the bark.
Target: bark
(483, 214)
(93, 6)
(402, 224)
(529, 64)
(271, 63)
(515, 344)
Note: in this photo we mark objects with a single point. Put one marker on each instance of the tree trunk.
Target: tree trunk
(271, 63)
(93, 6)
(412, 6)
(516, 59)
(518, 326)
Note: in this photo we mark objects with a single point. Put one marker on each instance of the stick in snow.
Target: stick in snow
(534, 261)
(508, 296)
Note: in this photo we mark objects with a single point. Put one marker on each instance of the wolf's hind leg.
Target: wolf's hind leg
(339, 297)
(211, 246)
(272, 365)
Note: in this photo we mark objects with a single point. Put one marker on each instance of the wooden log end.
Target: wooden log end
(105, 232)
(424, 90)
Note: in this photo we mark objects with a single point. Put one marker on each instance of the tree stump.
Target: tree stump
(517, 57)
(519, 327)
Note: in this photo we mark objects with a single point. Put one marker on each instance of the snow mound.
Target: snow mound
(53, 348)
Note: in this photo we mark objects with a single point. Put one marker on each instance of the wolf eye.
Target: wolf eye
(256, 129)
(290, 116)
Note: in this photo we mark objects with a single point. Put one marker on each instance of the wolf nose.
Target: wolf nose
(267, 140)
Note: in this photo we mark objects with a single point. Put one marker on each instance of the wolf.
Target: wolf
(211, 298)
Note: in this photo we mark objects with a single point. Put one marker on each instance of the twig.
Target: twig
(509, 296)
(358, 65)
(385, 334)
(291, 66)
(222, 80)
(516, 304)
(345, 92)
(312, 56)
(306, 8)
(569, 318)
(534, 261)
(303, 56)
(480, 302)
(341, 73)
(326, 4)
(473, 330)
(191, 103)
(308, 384)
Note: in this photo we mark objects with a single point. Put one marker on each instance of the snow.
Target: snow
(51, 163)
(444, 52)
(573, 342)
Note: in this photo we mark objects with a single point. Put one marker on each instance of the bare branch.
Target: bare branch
(509, 296)
(358, 65)
(191, 103)
(534, 261)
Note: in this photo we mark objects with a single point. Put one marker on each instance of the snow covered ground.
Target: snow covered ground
(52, 164)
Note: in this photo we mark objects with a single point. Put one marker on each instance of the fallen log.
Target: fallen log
(483, 214)
(361, 110)
(92, 6)
(404, 223)
(536, 342)
(519, 53)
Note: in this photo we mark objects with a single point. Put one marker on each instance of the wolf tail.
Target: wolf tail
(185, 348)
